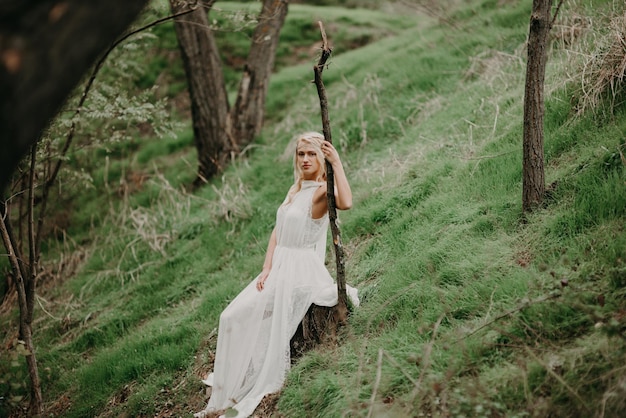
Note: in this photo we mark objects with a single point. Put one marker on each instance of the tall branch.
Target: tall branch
(342, 305)
(556, 13)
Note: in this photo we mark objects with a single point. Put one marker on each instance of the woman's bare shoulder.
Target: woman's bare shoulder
(320, 192)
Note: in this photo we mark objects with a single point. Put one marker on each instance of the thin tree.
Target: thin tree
(221, 131)
(533, 187)
(207, 91)
(25, 273)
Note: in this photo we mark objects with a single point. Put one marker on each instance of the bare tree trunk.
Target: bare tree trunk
(25, 283)
(533, 164)
(220, 131)
(249, 111)
(33, 257)
(26, 334)
(207, 91)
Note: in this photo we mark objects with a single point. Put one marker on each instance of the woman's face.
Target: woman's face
(306, 158)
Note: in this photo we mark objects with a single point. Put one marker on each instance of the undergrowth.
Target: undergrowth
(469, 307)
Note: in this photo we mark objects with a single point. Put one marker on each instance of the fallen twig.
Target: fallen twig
(510, 312)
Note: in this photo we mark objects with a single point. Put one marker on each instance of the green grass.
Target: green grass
(234, 26)
(475, 309)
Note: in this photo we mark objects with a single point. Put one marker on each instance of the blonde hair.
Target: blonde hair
(315, 140)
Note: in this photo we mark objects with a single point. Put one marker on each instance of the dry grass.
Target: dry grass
(603, 73)
(157, 225)
(494, 67)
(138, 227)
(232, 202)
(569, 28)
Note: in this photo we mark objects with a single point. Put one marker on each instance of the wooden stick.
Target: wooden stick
(342, 305)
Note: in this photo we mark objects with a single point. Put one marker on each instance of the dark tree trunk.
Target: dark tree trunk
(249, 111)
(220, 131)
(533, 164)
(46, 48)
(207, 91)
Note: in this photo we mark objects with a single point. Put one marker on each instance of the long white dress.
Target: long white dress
(255, 329)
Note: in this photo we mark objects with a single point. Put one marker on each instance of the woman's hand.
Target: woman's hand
(267, 265)
(343, 193)
(330, 153)
(260, 281)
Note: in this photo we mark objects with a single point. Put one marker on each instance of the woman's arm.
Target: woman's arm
(343, 193)
(267, 265)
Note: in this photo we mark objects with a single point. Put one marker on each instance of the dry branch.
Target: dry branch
(510, 312)
(320, 323)
(342, 305)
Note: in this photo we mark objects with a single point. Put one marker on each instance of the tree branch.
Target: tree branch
(510, 312)
(342, 305)
(556, 12)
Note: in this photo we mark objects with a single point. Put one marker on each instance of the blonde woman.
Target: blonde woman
(253, 353)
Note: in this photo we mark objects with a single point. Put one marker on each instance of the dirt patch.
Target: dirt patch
(60, 406)
(267, 407)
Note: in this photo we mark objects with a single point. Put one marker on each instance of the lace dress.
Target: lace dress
(255, 329)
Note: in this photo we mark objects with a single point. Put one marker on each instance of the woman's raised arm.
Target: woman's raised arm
(343, 193)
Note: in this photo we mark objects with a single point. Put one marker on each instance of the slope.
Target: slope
(469, 307)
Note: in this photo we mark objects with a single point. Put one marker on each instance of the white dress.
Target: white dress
(255, 329)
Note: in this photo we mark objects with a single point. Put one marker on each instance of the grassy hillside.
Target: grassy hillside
(469, 308)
